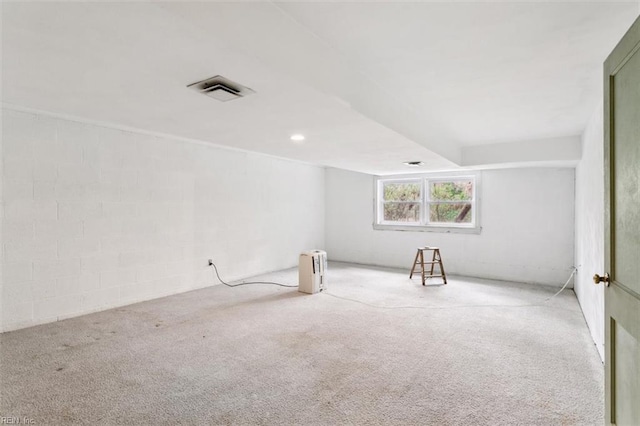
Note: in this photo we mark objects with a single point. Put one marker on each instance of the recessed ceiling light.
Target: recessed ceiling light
(413, 163)
(297, 137)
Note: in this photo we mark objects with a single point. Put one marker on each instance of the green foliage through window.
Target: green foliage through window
(450, 213)
(447, 201)
(443, 205)
(402, 201)
(402, 212)
(451, 191)
(402, 191)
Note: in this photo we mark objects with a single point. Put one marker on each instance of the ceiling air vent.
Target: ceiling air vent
(221, 88)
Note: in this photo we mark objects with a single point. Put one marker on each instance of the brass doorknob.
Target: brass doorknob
(604, 279)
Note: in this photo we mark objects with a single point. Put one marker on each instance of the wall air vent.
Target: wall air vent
(221, 88)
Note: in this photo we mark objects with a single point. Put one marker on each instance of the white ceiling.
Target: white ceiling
(369, 84)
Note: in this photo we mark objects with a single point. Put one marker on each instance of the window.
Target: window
(401, 201)
(450, 201)
(428, 203)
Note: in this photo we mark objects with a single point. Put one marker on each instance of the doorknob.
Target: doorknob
(604, 279)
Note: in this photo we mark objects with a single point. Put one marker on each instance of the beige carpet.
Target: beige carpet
(270, 355)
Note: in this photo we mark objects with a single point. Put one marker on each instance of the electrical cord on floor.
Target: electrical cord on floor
(564, 286)
(541, 303)
(215, 268)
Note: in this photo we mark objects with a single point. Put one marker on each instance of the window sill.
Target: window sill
(422, 228)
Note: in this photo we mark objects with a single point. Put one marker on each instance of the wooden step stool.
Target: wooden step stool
(435, 259)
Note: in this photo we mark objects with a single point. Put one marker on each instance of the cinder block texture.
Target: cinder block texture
(527, 220)
(97, 217)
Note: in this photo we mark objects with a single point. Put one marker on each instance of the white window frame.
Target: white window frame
(424, 225)
(380, 202)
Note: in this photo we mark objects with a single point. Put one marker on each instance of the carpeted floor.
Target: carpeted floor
(476, 353)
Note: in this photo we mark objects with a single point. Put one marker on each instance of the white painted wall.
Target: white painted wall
(527, 220)
(590, 227)
(553, 149)
(96, 217)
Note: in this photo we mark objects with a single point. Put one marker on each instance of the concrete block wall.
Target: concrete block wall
(590, 227)
(527, 219)
(96, 217)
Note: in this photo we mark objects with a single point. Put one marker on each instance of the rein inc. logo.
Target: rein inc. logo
(8, 420)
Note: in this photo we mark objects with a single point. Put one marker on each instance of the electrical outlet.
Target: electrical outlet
(210, 262)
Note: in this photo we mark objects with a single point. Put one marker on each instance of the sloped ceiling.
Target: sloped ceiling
(370, 84)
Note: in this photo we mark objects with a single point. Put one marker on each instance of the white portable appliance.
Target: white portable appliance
(312, 271)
